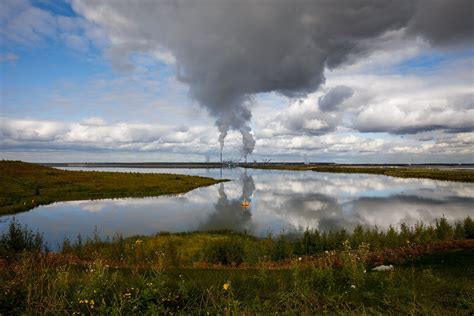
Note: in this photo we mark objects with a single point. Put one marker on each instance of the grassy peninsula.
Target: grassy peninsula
(26, 185)
(458, 175)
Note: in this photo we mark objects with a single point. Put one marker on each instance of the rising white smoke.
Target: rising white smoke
(229, 50)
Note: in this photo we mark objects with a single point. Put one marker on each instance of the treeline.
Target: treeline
(314, 242)
(232, 248)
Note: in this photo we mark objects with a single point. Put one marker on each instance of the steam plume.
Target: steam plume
(227, 51)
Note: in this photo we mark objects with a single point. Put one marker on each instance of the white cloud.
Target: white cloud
(25, 24)
(302, 117)
(94, 133)
(97, 121)
(21, 23)
(409, 103)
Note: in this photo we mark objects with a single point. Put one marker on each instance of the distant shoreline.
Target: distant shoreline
(443, 172)
(454, 166)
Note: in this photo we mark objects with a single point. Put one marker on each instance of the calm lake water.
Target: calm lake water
(281, 201)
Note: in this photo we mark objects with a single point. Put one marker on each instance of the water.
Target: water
(281, 201)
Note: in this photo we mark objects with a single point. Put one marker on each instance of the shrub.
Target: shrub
(444, 231)
(228, 251)
(311, 242)
(18, 239)
(281, 249)
(353, 263)
(170, 250)
(469, 228)
(459, 232)
(323, 279)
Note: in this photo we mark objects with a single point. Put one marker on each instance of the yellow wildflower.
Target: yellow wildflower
(92, 302)
(226, 286)
(86, 301)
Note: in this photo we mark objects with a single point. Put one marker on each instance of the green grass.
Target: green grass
(185, 273)
(459, 175)
(25, 185)
(42, 284)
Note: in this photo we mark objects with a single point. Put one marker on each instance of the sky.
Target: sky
(320, 81)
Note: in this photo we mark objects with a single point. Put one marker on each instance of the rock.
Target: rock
(383, 268)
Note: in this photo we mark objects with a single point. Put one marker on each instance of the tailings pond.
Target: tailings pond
(280, 202)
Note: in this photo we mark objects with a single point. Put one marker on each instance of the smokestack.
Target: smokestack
(221, 155)
(258, 54)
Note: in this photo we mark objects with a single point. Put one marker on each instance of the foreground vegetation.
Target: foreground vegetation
(227, 272)
(25, 185)
(459, 175)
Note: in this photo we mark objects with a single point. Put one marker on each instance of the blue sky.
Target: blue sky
(77, 85)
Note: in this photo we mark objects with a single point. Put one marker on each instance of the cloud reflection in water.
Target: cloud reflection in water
(279, 201)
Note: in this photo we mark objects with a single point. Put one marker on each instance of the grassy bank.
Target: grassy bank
(25, 185)
(459, 175)
(227, 272)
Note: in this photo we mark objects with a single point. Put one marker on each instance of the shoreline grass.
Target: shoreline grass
(457, 175)
(148, 275)
(24, 186)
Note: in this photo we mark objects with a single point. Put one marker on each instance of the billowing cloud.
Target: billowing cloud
(131, 140)
(444, 22)
(227, 51)
(441, 99)
(401, 70)
(95, 134)
(334, 97)
(407, 116)
(302, 117)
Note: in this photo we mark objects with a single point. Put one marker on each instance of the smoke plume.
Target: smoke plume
(227, 51)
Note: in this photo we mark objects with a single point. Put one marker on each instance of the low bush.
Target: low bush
(226, 251)
(19, 238)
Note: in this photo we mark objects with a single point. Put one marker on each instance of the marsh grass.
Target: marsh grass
(38, 286)
(229, 248)
(226, 272)
(24, 186)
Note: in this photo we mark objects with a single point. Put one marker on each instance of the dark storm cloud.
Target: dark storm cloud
(227, 51)
(331, 100)
(444, 22)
